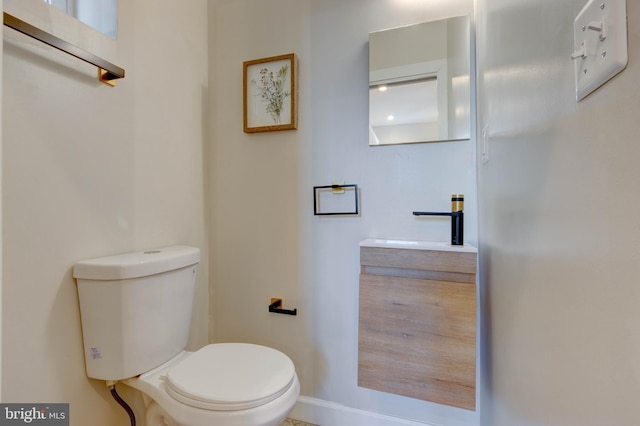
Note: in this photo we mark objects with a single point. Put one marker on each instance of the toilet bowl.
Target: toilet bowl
(230, 384)
(136, 310)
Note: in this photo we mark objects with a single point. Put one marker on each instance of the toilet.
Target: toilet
(136, 310)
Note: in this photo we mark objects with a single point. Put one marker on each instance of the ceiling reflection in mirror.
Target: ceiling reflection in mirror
(101, 15)
(419, 83)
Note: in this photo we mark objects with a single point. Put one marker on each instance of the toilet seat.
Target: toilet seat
(230, 377)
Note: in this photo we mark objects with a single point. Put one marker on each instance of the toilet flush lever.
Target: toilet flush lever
(276, 308)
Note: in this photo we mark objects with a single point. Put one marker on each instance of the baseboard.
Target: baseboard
(326, 413)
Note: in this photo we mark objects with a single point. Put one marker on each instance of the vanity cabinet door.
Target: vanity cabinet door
(417, 337)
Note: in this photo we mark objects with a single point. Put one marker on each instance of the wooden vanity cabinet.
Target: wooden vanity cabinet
(417, 324)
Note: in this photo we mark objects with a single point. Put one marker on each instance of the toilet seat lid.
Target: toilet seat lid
(230, 376)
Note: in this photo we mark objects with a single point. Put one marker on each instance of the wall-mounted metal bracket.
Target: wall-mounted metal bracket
(276, 308)
(338, 187)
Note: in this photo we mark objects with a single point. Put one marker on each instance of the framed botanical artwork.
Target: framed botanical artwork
(270, 98)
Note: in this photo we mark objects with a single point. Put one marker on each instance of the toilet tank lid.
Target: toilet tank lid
(137, 264)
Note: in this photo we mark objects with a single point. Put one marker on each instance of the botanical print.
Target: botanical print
(272, 90)
(270, 93)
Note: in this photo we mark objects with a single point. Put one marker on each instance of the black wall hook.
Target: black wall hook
(275, 307)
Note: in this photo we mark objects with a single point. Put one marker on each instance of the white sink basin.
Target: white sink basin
(417, 245)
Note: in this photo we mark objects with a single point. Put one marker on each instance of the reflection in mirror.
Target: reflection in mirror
(419, 83)
(101, 15)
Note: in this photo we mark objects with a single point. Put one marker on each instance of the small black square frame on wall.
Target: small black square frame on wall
(335, 200)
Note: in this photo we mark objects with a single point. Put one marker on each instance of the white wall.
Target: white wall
(558, 205)
(260, 235)
(266, 241)
(89, 170)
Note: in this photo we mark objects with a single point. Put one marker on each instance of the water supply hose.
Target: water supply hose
(123, 404)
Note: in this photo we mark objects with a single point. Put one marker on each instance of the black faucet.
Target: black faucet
(457, 218)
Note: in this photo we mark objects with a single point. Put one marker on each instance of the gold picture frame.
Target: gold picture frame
(270, 94)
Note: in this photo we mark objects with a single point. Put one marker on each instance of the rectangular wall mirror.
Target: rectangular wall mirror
(419, 83)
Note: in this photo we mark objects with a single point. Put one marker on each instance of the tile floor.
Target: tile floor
(293, 422)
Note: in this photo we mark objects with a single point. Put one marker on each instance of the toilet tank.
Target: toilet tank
(135, 309)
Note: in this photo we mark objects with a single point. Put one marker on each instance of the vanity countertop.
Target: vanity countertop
(417, 245)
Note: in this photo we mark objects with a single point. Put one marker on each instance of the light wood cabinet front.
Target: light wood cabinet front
(417, 324)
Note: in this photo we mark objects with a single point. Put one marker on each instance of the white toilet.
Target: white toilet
(136, 313)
